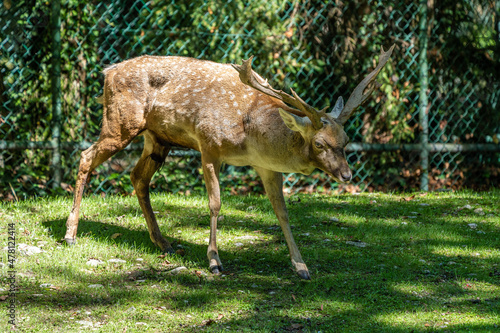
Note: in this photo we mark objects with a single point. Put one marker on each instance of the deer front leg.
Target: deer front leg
(211, 168)
(273, 185)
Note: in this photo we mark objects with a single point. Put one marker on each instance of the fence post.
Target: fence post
(423, 100)
(56, 93)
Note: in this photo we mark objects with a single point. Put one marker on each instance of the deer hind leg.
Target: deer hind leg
(90, 159)
(273, 185)
(153, 156)
(115, 135)
(211, 169)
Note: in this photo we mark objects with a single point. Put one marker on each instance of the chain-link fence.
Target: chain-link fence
(434, 123)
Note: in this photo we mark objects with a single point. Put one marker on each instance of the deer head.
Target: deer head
(323, 133)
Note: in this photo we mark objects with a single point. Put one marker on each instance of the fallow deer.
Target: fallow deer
(230, 115)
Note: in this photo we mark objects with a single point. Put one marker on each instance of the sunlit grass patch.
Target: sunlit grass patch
(378, 263)
(432, 321)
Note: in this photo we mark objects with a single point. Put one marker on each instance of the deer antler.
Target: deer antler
(252, 79)
(359, 95)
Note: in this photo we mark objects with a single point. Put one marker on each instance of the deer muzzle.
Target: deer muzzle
(345, 176)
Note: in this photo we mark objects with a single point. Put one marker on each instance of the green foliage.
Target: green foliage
(320, 48)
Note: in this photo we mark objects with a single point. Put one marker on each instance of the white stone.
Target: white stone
(177, 270)
(84, 322)
(358, 244)
(479, 211)
(246, 237)
(117, 261)
(94, 262)
(95, 286)
(29, 249)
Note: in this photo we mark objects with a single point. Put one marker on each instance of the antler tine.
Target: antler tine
(359, 95)
(310, 112)
(249, 77)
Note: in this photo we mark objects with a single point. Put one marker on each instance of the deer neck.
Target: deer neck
(285, 151)
(300, 154)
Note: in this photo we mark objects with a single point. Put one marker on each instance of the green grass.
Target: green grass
(424, 269)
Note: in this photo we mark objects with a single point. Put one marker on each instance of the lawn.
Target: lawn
(378, 262)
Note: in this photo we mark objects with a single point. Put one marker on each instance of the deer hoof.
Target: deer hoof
(303, 274)
(169, 250)
(70, 241)
(216, 269)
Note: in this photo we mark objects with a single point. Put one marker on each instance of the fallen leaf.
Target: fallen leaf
(114, 236)
(4, 297)
(408, 198)
(294, 299)
(220, 316)
(180, 252)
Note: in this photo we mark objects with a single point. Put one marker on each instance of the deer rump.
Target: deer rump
(230, 115)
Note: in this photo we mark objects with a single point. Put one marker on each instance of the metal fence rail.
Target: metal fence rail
(435, 123)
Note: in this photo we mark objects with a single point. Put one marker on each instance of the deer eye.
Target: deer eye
(318, 145)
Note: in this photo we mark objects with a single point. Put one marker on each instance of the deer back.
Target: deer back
(201, 105)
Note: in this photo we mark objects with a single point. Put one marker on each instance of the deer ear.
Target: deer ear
(293, 122)
(337, 109)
